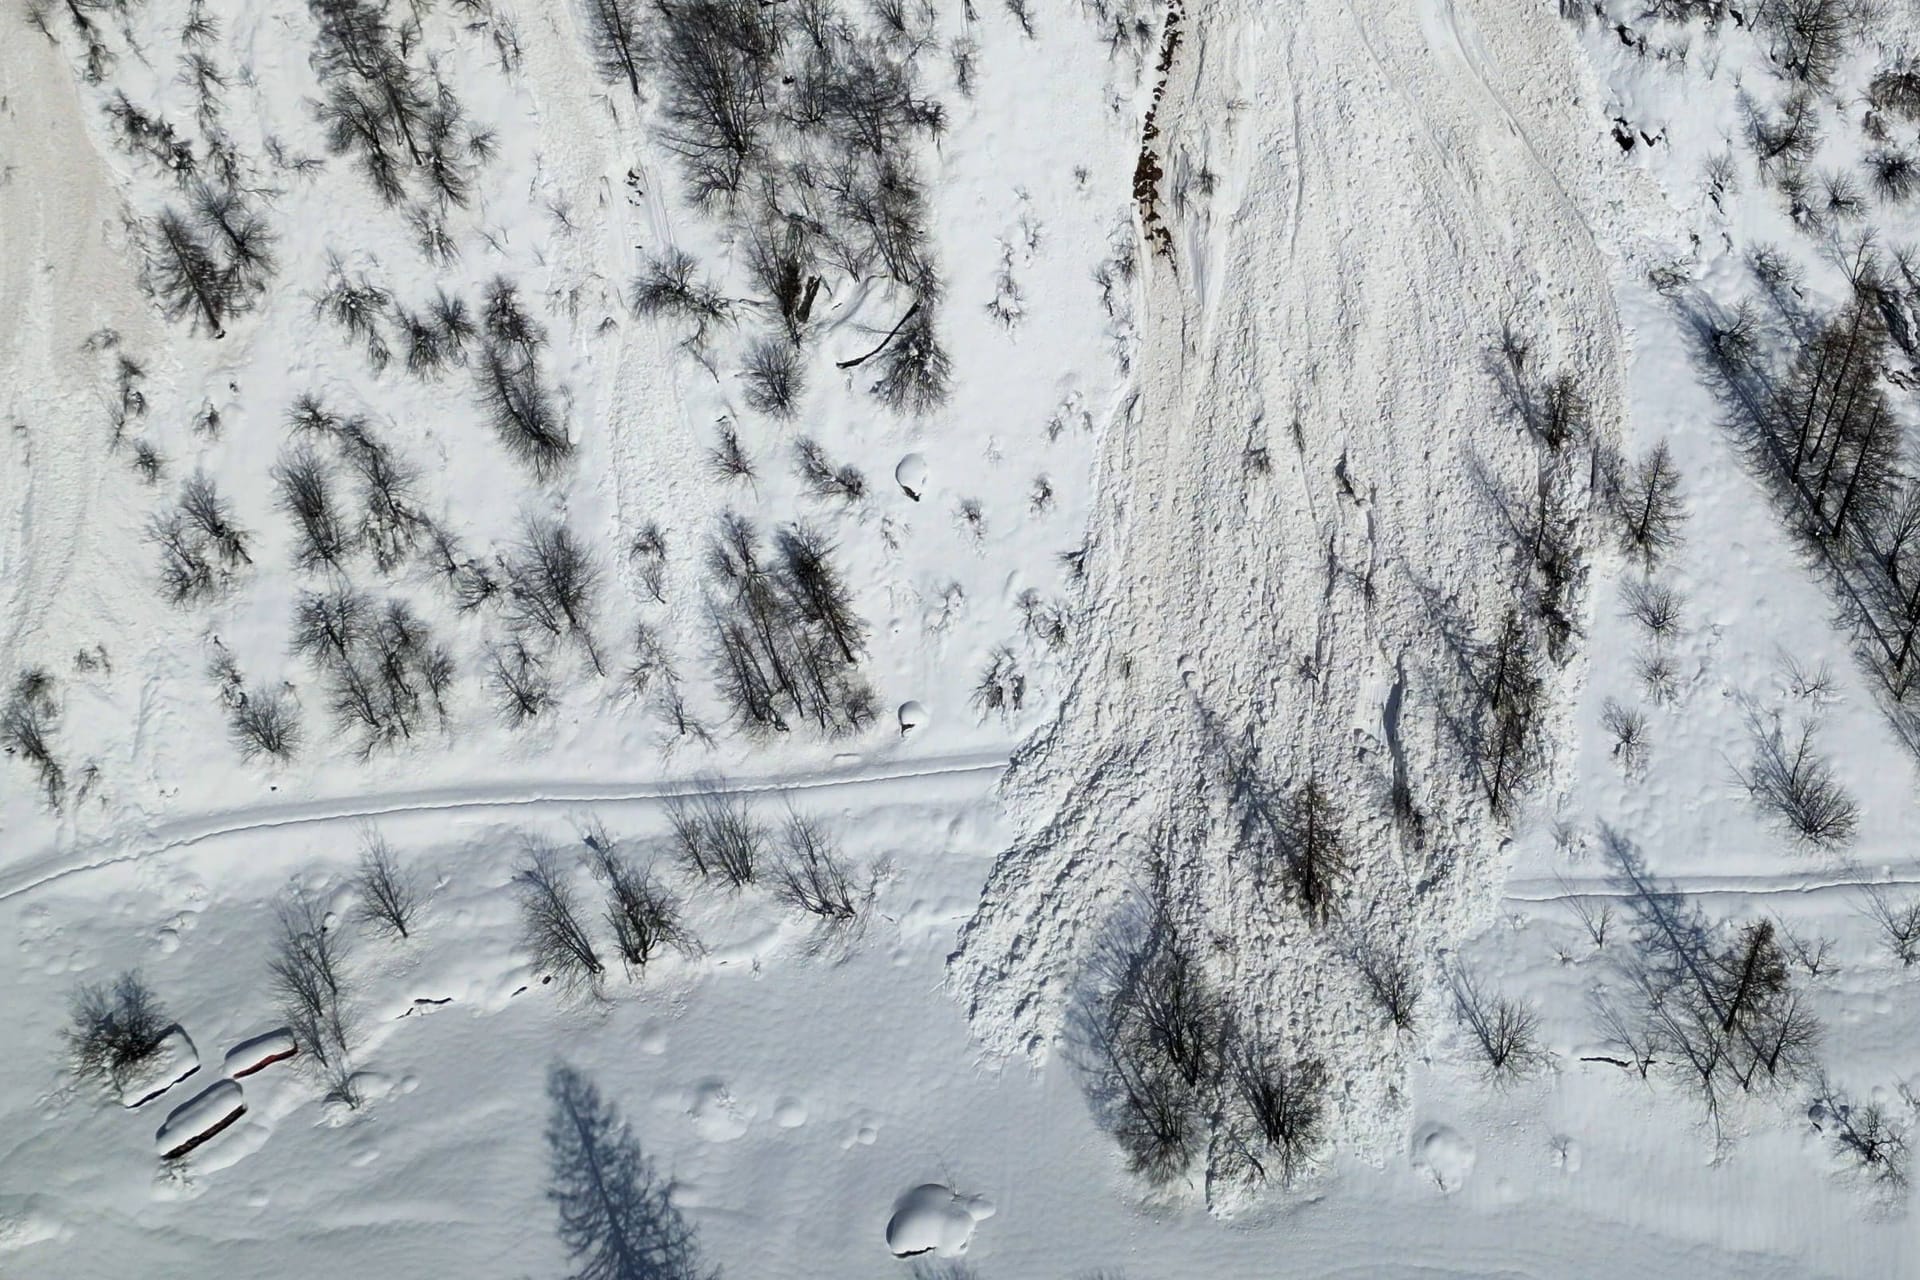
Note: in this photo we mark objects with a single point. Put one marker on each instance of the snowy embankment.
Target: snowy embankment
(1304, 493)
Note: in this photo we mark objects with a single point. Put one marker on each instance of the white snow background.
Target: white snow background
(1358, 195)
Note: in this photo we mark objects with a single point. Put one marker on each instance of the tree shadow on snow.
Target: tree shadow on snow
(616, 1219)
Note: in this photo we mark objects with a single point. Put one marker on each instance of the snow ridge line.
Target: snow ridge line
(184, 833)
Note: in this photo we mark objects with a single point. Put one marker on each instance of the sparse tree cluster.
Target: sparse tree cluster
(396, 121)
(386, 676)
(1714, 1006)
(810, 874)
(787, 642)
(201, 545)
(798, 126)
(1167, 1065)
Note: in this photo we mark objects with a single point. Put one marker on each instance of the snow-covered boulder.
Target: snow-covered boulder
(932, 1219)
(174, 1061)
(261, 1051)
(200, 1118)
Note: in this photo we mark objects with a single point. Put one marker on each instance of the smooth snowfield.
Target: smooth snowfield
(1359, 195)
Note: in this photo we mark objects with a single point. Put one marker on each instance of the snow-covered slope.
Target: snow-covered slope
(1264, 321)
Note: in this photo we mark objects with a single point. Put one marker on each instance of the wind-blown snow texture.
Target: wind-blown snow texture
(1271, 424)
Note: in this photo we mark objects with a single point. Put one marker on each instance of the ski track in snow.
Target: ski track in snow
(185, 832)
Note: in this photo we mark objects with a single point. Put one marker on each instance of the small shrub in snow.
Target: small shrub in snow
(113, 1032)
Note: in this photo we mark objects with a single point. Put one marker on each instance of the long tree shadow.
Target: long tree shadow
(616, 1220)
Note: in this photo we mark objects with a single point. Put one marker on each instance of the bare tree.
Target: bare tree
(821, 478)
(1654, 605)
(1646, 498)
(306, 493)
(613, 36)
(27, 725)
(643, 915)
(186, 277)
(553, 584)
(728, 458)
(715, 835)
(1149, 1031)
(389, 900)
(670, 287)
(809, 874)
(1863, 1133)
(648, 551)
(520, 406)
(1899, 923)
(1278, 1106)
(1507, 1031)
(311, 988)
(774, 377)
(551, 928)
(114, 1032)
(1315, 860)
(1628, 725)
(265, 721)
(521, 687)
(1002, 686)
(1788, 776)
(1391, 980)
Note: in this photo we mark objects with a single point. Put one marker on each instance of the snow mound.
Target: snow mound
(911, 475)
(175, 1060)
(199, 1119)
(1444, 1155)
(932, 1219)
(912, 716)
(260, 1052)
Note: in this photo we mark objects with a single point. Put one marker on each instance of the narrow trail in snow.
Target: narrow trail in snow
(180, 833)
(1535, 889)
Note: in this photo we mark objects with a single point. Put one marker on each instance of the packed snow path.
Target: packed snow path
(1299, 481)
